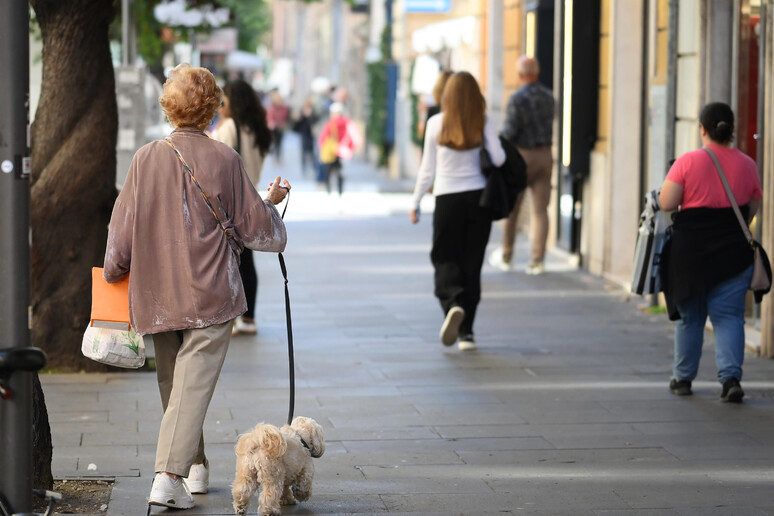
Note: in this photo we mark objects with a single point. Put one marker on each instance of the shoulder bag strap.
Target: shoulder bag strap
(730, 195)
(196, 182)
(239, 137)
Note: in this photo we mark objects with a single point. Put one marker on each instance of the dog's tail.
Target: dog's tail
(265, 438)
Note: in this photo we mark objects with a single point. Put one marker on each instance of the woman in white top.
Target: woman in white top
(241, 108)
(450, 164)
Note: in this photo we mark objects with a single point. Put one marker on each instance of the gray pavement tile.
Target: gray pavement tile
(690, 511)
(581, 456)
(75, 416)
(457, 445)
(590, 429)
(471, 504)
(449, 418)
(418, 479)
(379, 434)
(108, 437)
(376, 457)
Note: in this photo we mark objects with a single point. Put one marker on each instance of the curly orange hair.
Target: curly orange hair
(191, 97)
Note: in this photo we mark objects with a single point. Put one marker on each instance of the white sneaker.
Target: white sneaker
(243, 327)
(168, 492)
(451, 325)
(536, 268)
(198, 479)
(467, 343)
(496, 260)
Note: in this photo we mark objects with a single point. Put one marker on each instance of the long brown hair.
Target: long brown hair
(464, 113)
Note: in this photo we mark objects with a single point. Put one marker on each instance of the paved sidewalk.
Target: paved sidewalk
(563, 409)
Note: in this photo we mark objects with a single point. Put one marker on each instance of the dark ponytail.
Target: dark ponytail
(717, 119)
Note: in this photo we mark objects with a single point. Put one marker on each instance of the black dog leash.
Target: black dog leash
(289, 322)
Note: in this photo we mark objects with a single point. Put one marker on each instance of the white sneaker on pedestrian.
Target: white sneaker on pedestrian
(451, 325)
(467, 343)
(244, 327)
(198, 479)
(535, 268)
(168, 492)
(496, 260)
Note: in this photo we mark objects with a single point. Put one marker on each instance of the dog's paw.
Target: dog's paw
(288, 501)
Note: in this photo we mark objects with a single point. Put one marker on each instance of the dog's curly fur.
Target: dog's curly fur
(275, 460)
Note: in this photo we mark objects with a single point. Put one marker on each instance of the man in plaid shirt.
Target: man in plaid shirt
(528, 126)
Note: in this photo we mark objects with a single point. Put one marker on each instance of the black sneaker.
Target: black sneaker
(732, 391)
(467, 342)
(680, 387)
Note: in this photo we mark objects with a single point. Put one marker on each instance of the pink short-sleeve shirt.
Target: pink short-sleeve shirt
(702, 188)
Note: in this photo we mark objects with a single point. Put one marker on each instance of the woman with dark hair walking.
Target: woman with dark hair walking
(709, 266)
(451, 165)
(243, 127)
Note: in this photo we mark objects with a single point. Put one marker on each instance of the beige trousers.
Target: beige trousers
(539, 162)
(188, 364)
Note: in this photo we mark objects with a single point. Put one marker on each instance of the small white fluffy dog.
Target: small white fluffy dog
(279, 461)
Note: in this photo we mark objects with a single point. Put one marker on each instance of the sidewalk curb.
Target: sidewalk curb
(124, 499)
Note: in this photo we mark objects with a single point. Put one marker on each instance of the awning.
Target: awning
(445, 34)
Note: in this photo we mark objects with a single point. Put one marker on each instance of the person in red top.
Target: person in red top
(338, 140)
(277, 115)
(709, 261)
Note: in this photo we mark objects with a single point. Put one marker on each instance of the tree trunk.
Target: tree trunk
(42, 449)
(73, 173)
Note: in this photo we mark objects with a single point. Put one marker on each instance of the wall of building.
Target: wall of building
(688, 77)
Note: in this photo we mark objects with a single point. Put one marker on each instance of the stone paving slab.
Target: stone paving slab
(563, 409)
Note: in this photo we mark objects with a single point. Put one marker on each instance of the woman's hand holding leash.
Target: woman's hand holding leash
(277, 191)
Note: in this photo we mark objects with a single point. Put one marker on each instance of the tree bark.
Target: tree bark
(43, 450)
(73, 173)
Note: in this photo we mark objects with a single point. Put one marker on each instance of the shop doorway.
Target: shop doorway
(578, 99)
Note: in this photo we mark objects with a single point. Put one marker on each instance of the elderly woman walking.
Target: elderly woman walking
(186, 211)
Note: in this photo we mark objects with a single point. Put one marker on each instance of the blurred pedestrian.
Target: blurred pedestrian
(182, 251)
(451, 165)
(243, 127)
(709, 261)
(433, 110)
(529, 120)
(338, 140)
(277, 115)
(303, 125)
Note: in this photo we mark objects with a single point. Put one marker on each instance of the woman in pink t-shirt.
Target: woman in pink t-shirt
(709, 261)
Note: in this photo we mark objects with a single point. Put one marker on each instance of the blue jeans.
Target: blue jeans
(724, 303)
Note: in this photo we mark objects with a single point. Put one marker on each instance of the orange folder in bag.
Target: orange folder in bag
(109, 302)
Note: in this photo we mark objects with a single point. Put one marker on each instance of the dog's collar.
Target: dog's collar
(304, 443)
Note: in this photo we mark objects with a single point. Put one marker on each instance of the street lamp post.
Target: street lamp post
(16, 412)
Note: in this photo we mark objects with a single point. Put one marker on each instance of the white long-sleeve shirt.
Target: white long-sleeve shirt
(450, 170)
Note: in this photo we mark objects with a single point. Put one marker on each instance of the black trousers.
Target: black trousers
(249, 280)
(276, 135)
(460, 234)
(334, 169)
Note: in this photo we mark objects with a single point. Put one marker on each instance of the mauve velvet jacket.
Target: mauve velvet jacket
(184, 273)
